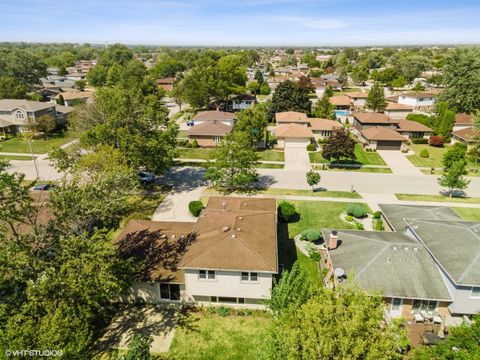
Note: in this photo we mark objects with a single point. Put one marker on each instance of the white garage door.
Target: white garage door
(297, 142)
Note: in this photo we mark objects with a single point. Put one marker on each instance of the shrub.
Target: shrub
(223, 311)
(195, 207)
(194, 143)
(436, 141)
(347, 122)
(311, 147)
(315, 256)
(424, 154)
(310, 248)
(286, 210)
(182, 142)
(356, 210)
(359, 226)
(349, 218)
(377, 214)
(378, 225)
(420, 141)
(311, 235)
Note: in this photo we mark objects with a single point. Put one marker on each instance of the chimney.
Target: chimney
(333, 241)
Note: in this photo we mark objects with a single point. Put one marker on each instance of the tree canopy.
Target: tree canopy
(290, 96)
(376, 99)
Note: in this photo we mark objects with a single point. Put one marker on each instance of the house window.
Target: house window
(475, 292)
(217, 139)
(248, 102)
(19, 115)
(225, 299)
(426, 305)
(170, 291)
(396, 304)
(206, 274)
(249, 277)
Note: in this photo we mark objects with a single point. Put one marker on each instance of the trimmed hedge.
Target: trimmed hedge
(424, 154)
(377, 214)
(311, 235)
(195, 207)
(420, 141)
(286, 210)
(311, 147)
(356, 210)
(436, 141)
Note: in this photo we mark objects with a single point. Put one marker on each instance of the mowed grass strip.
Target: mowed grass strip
(469, 214)
(39, 146)
(440, 198)
(434, 159)
(296, 192)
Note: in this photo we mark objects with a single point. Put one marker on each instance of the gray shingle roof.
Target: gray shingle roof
(10, 104)
(392, 262)
(395, 214)
(454, 244)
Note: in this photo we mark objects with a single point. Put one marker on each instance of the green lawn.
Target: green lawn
(269, 166)
(362, 157)
(41, 146)
(318, 215)
(182, 134)
(295, 192)
(358, 169)
(271, 155)
(414, 197)
(434, 160)
(215, 337)
(469, 214)
(14, 157)
(195, 153)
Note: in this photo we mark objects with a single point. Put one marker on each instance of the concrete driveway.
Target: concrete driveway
(399, 164)
(296, 159)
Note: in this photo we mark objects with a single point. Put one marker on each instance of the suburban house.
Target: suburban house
(358, 99)
(418, 100)
(324, 128)
(426, 262)
(397, 111)
(72, 97)
(292, 117)
(364, 120)
(166, 83)
(462, 121)
(76, 76)
(293, 136)
(413, 130)
(15, 113)
(382, 138)
(226, 118)
(228, 257)
(341, 102)
(465, 135)
(209, 133)
(242, 102)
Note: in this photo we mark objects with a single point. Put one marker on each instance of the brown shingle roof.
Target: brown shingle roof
(466, 134)
(373, 118)
(419, 94)
(357, 95)
(463, 119)
(158, 245)
(71, 95)
(293, 131)
(392, 106)
(210, 128)
(381, 133)
(234, 234)
(408, 125)
(324, 124)
(340, 100)
(214, 115)
(291, 117)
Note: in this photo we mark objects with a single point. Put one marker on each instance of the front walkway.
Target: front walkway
(297, 159)
(398, 162)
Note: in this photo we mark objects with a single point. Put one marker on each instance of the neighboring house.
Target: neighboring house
(364, 120)
(166, 83)
(382, 138)
(292, 117)
(465, 135)
(15, 113)
(209, 133)
(341, 102)
(462, 121)
(418, 100)
(358, 99)
(226, 118)
(454, 245)
(242, 102)
(74, 97)
(397, 111)
(76, 76)
(228, 257)
(413, 130)
(324, 128)
(293, 136)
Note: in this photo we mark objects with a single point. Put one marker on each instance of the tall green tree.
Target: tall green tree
(455, 154)
(253, 121)
(454, 178)
(289, 96)
(313, 178)
(376, 99)
(444, 120)
(339, 145)
(324, 109)
(21, 65)
(234, 165)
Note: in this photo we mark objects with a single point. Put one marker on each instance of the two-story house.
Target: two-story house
(210, 127)
(418, 99)
(228, 257)
(15, 113)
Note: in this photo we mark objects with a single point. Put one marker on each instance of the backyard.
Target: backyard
(40, 146)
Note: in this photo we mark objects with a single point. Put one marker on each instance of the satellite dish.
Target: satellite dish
(339, 272)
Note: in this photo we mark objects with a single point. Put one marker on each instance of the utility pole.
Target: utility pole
(33, 157)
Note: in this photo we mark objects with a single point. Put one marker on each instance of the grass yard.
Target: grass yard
(212, 336)
(15, 157)
(434, 160)
(469, 214)
(270, 166)
(316, 157)
(362, 157)
(295, 192)
(271, 155)
(358, 169)
(40, 146)
(414, 197)
(195, 153)
(182, 134)
(318, 215)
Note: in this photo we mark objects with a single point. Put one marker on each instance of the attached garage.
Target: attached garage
(389, 145)
(296, 142)
(293, 136)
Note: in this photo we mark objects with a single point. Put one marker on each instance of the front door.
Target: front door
(396, 305)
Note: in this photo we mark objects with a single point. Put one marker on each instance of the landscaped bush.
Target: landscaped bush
(359, 226)
(194, 143)
(420, 141)
(315, 256)
(424, 154)
(378, 225)
(286, 210)
(377, 214)
(195, 207)
(311, 147)
(182, 142)
(311, 235)
(356, 210)
(436, 141)
(223, 311)
(349, 218)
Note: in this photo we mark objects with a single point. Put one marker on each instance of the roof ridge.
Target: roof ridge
(245, 243)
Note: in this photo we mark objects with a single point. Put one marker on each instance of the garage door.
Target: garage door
(297, 143)
(389, 145)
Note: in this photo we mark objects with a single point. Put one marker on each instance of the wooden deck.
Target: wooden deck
(416, 331)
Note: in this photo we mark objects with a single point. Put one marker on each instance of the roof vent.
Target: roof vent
(240, 218)
(225, 228)
(405, 248)
(415, 249)
(233, 236)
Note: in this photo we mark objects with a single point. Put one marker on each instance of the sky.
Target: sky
(242, 22)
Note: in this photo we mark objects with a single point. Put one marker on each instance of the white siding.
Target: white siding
(412, 101)
(462, 303)
(398, 114)
(228, 284)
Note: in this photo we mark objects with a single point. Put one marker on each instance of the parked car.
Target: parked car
(42, 187)
(146, 177)
(190, 123)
